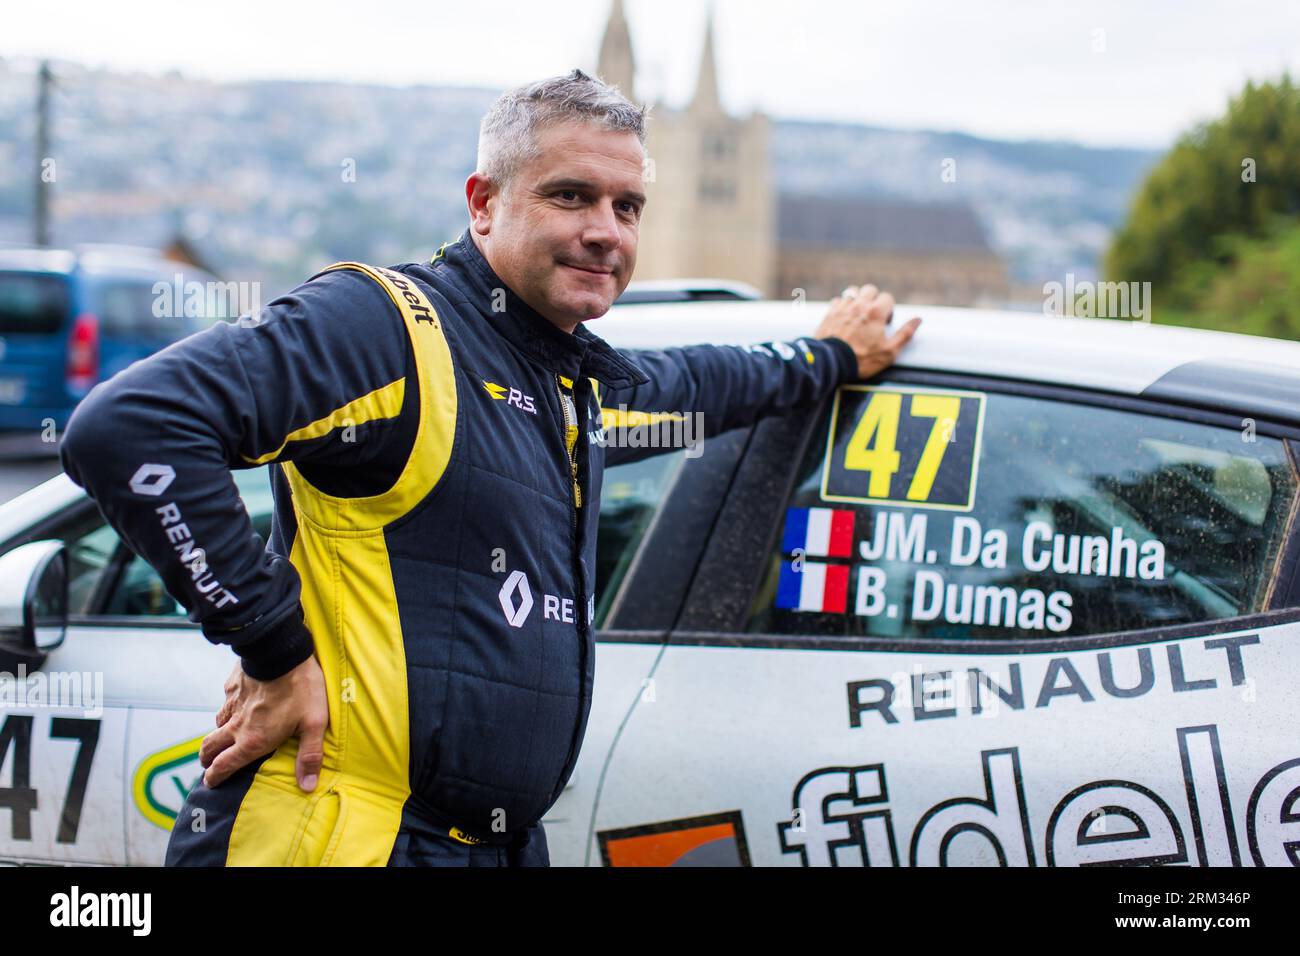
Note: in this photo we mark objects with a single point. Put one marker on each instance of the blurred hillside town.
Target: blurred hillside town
(270, 181)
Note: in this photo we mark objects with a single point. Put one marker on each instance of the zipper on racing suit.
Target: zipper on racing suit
(564, 386)
(569, 409)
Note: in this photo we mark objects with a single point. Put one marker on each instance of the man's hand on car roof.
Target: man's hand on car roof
(860, 316)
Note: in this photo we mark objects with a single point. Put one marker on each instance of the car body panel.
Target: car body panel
(623, 670)
(899, 758)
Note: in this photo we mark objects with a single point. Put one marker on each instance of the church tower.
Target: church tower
(706, 81)
(710, 210)
(616, 64)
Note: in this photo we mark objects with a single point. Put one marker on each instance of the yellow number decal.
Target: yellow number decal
(879, 421)
(943, 409)
(924, 454)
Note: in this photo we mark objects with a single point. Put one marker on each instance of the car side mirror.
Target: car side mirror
(33, 599)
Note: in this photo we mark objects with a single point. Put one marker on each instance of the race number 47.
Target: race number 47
(906, 446)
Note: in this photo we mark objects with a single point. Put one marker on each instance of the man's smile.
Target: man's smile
(589, 271)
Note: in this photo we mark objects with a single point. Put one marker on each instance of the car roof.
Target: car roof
(686, 290)
(1218, 370)
(95, 259)
(50, 496)
(36, 260)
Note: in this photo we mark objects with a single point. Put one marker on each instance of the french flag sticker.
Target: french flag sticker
(820, 532)
(818, 587)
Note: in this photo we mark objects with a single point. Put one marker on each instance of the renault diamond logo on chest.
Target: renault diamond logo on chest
(516, 613)
(516, 599)
(511, 396)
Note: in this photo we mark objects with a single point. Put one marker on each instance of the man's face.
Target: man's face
(562, 234)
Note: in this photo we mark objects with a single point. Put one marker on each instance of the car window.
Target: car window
(629, 498)
(89, 552)
(923, 512)
(127, 311)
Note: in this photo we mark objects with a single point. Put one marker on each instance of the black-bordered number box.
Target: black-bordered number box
(902, 445)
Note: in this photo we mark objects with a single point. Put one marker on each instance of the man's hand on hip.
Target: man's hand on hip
(258, 716)
(860, 316)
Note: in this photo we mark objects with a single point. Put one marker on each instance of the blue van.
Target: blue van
(72, 318)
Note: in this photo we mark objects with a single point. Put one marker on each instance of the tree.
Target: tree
(1235, 178)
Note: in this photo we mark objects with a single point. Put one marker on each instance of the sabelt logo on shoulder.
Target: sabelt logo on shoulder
(152, 480)
(422, 312)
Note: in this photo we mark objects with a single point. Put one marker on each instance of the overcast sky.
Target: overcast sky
(1110, 72)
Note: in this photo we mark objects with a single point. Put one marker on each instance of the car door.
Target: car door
(655, 515)
(102, 782)
(58, 796)
(947, 621)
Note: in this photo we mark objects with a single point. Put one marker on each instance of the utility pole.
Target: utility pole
(42, 208)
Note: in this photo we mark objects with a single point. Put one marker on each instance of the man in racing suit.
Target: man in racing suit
(415, 641)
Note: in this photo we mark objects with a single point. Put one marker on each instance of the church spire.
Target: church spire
(616, 64)
(706, 85)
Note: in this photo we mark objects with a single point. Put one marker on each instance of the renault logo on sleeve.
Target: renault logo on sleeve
(152, 480)
(516, 615)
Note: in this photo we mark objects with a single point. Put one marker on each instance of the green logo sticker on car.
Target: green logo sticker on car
(163, 781)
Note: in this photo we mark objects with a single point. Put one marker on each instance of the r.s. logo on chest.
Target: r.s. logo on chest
(511, 396)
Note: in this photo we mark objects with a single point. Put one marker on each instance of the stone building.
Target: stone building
(921, 252)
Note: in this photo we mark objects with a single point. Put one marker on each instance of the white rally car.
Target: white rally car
(1032, 597)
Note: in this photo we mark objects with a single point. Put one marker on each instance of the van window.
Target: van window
(32, 302)
(127, 311)
(925, 512)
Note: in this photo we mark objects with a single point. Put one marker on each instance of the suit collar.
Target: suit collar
(578, 356)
